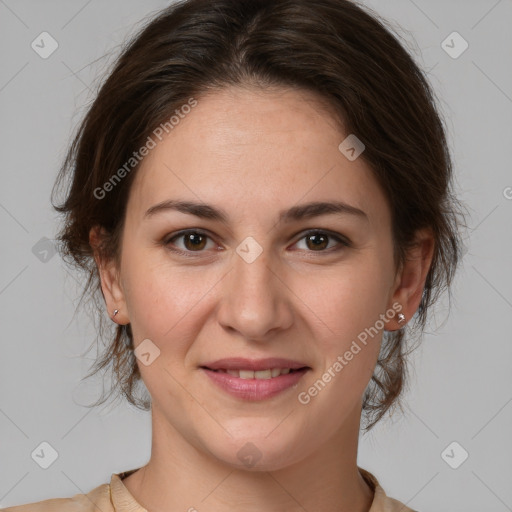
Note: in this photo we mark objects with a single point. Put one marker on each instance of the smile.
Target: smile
(260, 374)
(255, 385)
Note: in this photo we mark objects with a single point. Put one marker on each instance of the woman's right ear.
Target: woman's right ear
(109, 276)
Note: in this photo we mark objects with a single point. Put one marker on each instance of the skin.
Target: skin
(254, 153)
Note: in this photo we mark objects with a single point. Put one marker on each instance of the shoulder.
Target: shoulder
(97, 499)
(381, 501)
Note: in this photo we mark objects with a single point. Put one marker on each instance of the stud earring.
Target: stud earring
(401, 318)
(115, 312)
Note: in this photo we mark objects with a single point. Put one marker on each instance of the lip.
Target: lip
(241, 363)
(255, 389)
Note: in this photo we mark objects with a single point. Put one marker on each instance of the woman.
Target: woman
(262, 192)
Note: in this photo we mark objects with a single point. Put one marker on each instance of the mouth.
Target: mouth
(269, 373)
(255, 379)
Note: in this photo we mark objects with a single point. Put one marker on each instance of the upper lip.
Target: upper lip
(241, 363)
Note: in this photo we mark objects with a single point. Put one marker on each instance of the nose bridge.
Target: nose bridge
(252, 273)
(254, 299)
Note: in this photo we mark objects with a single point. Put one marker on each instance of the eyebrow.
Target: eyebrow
(296, 213)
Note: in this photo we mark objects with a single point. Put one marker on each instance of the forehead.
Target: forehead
(255, 150)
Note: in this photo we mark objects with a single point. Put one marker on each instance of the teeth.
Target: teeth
(260, 374)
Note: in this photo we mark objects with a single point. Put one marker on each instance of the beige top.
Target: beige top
(115, 497)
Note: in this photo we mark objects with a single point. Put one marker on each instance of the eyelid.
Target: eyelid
(341, 239)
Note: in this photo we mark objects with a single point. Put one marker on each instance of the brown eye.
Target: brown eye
(321, 241)
(193, 241)
(317, 241)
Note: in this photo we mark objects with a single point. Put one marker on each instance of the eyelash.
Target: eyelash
(167, 241)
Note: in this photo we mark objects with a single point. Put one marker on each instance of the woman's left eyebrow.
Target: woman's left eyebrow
(296, 213)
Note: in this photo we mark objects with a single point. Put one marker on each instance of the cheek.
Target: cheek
(343, 308)
(345, 300)
(163, 300)
(342, 316)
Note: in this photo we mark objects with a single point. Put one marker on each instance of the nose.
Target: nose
(256, 302)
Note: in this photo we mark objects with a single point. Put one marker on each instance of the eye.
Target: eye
(318, 241)
(195, 240)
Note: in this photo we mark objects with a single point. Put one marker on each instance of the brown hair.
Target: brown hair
(334, 48)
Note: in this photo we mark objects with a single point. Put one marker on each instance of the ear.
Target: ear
(109, 276)
(410, 281)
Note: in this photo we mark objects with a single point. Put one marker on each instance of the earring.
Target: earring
(115, 312)
(401, 318)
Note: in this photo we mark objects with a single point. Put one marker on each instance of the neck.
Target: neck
(181, 476)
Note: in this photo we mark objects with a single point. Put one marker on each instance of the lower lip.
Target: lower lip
(254, 389)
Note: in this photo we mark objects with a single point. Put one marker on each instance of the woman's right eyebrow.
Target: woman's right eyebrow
(293, 214)
(201, 210)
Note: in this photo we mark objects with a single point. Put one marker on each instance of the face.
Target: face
(256, 275)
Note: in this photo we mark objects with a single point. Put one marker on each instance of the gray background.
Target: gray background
(460, 388)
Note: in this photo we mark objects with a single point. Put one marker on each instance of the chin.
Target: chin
(257, 453)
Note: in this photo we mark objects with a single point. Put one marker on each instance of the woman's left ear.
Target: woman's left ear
(410, 281)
